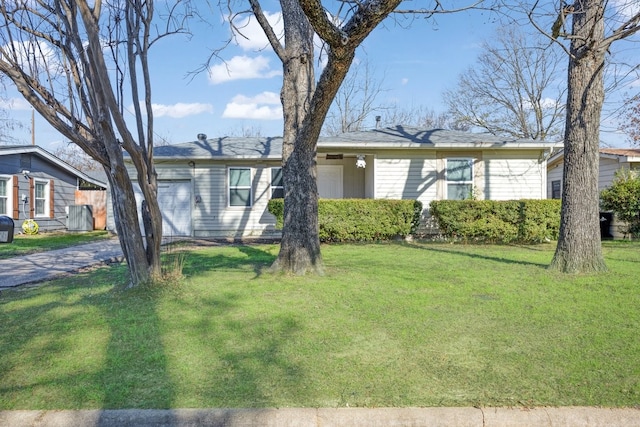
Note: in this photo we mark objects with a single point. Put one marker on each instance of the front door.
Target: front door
(330, 181)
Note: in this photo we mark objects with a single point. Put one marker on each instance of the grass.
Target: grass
(388, 325)
(28, 244)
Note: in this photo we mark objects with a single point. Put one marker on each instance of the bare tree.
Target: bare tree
(631, 124)
(7, 123)
(355, 102)
(73, 155)
(513, 89)
(56, 52)
(595, 26)
(421, 117)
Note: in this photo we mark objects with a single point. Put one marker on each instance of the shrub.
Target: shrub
(525, 221)
(623, 198)
(358, 220)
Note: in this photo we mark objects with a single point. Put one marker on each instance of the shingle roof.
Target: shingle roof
(627, 152)
(225, 147)
(36, 149)
(392, 137)
(408, 134)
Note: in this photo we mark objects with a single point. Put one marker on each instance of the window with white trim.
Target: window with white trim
(459, 176)
(277, 184)
(41, 197)
(5, 196)
(240, 192)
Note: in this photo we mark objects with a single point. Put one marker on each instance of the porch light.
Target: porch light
(360, 163)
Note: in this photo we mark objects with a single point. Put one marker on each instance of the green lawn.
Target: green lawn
(388, 325)
(25, 244)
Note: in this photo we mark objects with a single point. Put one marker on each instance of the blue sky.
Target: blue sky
(416, 60)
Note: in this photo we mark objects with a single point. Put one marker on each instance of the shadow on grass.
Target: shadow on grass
(241, 259)
(128, 360)
(448, 250)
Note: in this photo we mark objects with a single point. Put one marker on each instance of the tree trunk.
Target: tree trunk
(579, 248)
(127, 223)
(300, 246)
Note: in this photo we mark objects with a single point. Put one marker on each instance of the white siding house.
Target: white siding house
(229, 181)
(611, 160)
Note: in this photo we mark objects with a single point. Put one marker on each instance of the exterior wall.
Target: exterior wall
(608, 168)
(413, 177)
(513, 176)
(213, 217)
(497, 175)
(554, 173)
(211, 214)
(61, 187)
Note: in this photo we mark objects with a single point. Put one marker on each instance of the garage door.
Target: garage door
(174, 198)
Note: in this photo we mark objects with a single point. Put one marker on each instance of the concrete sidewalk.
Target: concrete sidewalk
(328, 417)
(49, 265)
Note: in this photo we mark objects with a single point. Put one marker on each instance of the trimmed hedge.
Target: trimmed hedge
(522, 221)
(360, 220)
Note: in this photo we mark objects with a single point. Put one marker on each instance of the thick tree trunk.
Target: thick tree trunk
(579, 247)
(300, 246)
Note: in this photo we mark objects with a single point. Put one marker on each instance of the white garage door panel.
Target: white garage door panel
(174, 198)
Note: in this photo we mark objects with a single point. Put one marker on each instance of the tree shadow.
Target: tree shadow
(129, 361)
(249, 256)
(440, 249)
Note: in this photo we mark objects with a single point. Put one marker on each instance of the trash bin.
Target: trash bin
(6, 229)
(606, 219)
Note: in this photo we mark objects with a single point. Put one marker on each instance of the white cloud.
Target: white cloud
(404, 81)
(250, 36)
(264, 106)
(16, 104)
(181, 109)
(242, 67)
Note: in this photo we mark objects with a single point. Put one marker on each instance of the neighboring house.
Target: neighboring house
(611, 160)
(35, 184)
(220, 187)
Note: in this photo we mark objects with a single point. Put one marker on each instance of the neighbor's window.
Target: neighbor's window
(240, 187)
(556, 190)
(277, 184)
(459, 175)
(41, 197)
(4, 196)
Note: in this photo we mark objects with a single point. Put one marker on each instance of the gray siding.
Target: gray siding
(64, 186)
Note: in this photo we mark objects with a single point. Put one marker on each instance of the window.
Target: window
(459, 175)
(5, 201)
(556, 190)
(41, 198)
(277, 184)
(240, 187)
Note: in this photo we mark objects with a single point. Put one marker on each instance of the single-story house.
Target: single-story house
(219, 187)
(35, 184)
(611, 160)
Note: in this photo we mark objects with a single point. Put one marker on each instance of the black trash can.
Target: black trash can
(606, 219)
(6, 229)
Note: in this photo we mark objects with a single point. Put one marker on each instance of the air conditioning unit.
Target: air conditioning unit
(80, 218)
